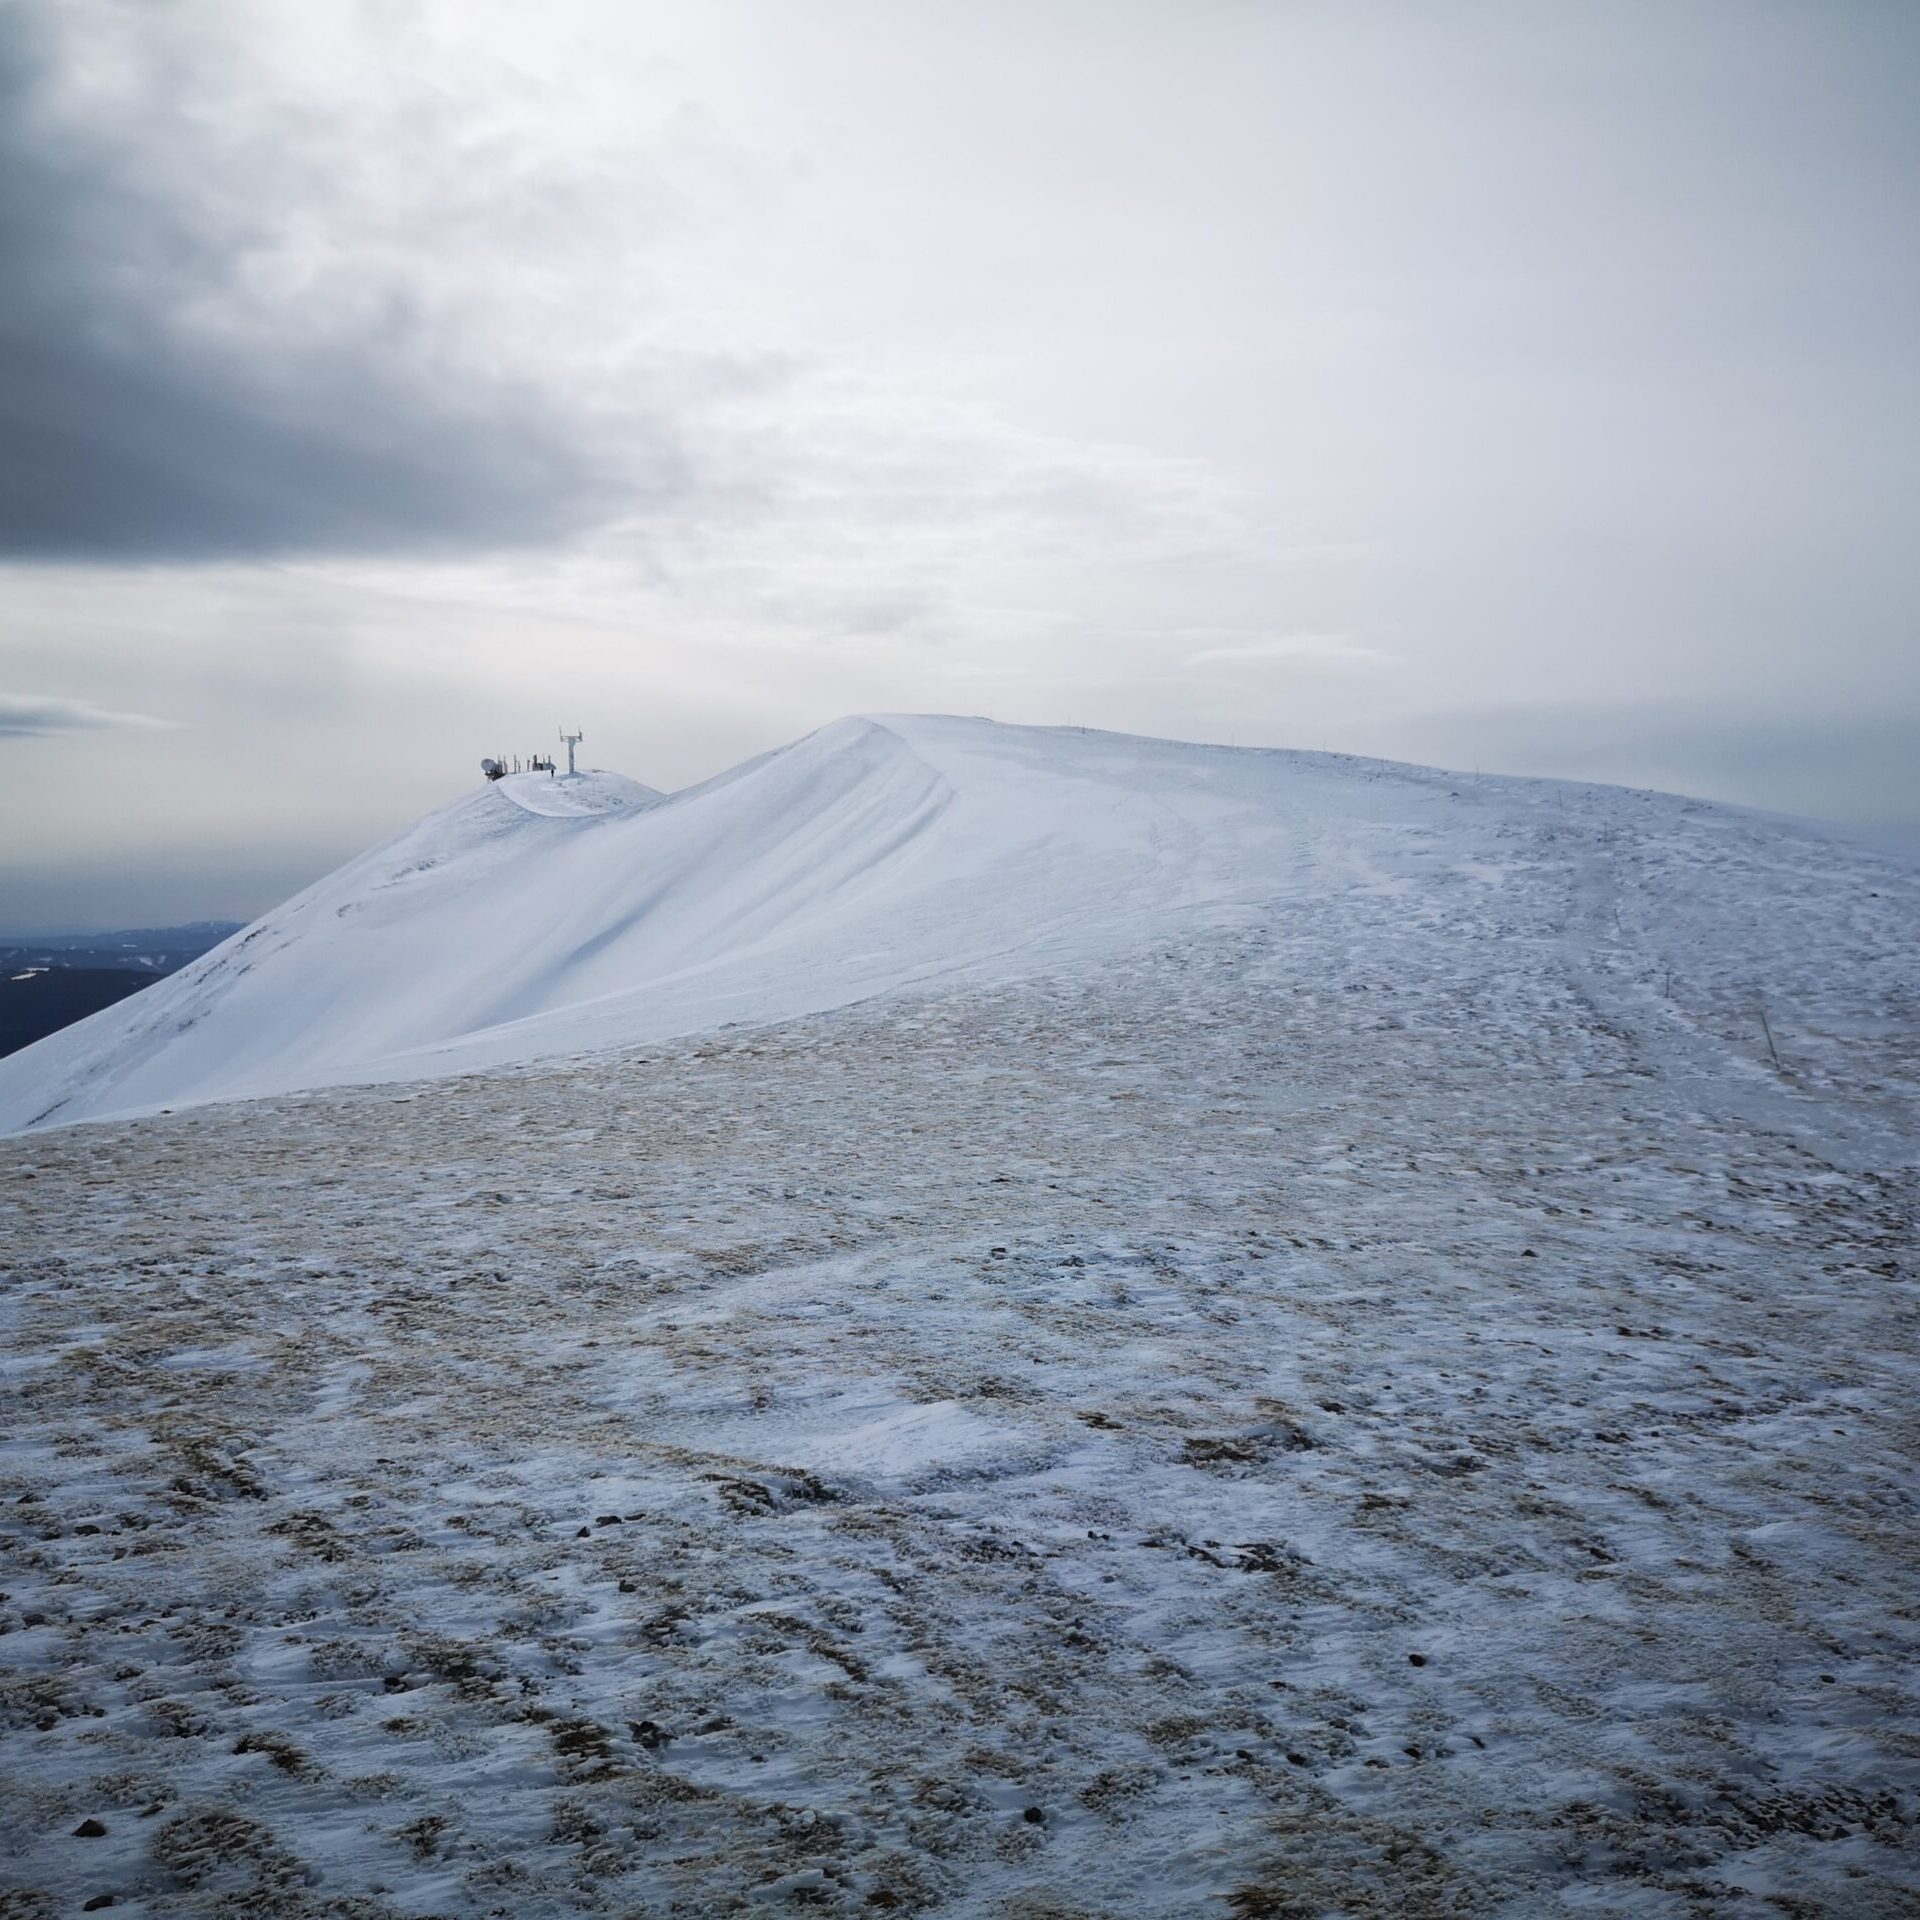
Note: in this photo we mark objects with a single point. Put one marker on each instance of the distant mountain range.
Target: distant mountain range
(48, 981)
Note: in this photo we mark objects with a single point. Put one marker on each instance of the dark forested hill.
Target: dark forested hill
(38, 1001)
(49, 981)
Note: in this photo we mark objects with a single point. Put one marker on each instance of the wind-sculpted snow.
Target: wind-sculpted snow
(543, 918)
(578, 796)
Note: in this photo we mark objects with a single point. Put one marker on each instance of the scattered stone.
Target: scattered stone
(1416, 1659)
(1267, 1556)
(1034, 1817)
(89, 1829)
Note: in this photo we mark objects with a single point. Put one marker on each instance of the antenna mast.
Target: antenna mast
(572, 740)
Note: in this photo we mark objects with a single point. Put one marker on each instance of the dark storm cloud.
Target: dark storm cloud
(26, 716)
(154, 406)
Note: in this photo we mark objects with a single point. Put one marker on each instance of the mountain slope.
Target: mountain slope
(1343, 1341)
(535, 919)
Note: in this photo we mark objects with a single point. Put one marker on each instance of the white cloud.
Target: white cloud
(1322, 649)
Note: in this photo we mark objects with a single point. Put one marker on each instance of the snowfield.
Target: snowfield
(983, 1321)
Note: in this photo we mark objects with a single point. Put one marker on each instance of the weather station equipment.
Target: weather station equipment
(572, 740)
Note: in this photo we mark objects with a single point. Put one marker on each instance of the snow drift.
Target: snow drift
(537, 918)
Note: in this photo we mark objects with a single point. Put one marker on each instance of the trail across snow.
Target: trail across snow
(1325, 1369)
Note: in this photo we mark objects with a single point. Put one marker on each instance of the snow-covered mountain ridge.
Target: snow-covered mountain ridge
(536, 919)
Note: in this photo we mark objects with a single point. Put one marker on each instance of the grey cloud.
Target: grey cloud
(157, 404)
(29, 715)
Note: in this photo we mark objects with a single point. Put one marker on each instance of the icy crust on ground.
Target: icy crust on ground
(1380, 1409)
(538, 918)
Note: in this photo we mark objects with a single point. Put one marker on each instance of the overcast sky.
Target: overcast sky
(1526, 386)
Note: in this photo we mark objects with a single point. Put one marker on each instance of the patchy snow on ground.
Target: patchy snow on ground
(1378, 1379)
